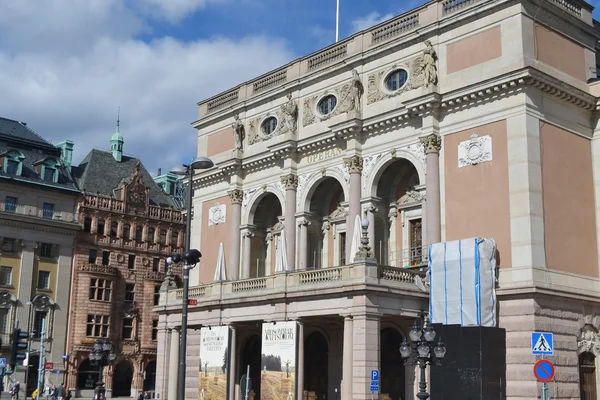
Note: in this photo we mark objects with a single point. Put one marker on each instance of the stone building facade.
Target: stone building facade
(454, 120)
(130, 225)
(38, 225)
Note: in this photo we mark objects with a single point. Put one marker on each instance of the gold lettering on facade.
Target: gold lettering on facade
(322, 156)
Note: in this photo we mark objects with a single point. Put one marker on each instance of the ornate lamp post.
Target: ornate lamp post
(422, 350)
(102, 354)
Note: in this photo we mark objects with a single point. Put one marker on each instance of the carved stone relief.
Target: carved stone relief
(348, 99)
(247, 194)
(474, 151)
(216, 214)
(368, 164)
(7, 300)
(286, 115)
(588, 341)
(411, 196)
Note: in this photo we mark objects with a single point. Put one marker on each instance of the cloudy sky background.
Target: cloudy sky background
(67, 65)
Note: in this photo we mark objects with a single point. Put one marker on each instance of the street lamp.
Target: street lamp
(422, 350)
(102, 354)
(191, 258)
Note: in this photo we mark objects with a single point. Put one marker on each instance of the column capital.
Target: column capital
(236, 196)
(29, 244)
(347, 317)
(247, 233)
(432, 143)
(354, 164)
(290, 181)
(303, 222)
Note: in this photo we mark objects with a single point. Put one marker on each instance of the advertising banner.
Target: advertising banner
(214, 361)
(278, 364)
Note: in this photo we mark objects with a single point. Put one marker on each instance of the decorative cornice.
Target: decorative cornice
(37, 224)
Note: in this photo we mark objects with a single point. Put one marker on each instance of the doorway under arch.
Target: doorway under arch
(392, 364)
(150, 376)
(122, 379)
(87, 375)
(251, 356)
(316, 364)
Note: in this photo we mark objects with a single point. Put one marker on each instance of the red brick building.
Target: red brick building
(130, 226)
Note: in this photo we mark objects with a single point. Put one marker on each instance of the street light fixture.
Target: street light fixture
(422, 350)
(190, 255)
(102, 354)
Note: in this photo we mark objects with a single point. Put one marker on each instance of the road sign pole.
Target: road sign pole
(545, 391)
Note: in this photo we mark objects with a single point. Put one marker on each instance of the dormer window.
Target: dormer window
(13, 162)
(48, 169)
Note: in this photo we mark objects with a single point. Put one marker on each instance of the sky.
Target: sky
(66, 66)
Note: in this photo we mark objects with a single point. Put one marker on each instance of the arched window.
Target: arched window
(163, 236)
(126, 231)
(114, 227)
(139, 232)
(13, 162)
(174, 238)
(150, 238)
(87, 224)
(101, 226)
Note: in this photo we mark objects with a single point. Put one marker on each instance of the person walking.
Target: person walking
(60, 392)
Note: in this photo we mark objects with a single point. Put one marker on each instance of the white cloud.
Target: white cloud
(70, 85)
(369, 20)
(172, 10)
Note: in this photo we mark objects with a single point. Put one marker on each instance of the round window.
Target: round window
(327, 104)
(396, 79)
(269, 125)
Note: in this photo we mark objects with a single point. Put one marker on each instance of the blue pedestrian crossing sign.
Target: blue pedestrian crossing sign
(2, 362)
(542, 344)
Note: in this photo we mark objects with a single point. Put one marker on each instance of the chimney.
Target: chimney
(66, 148)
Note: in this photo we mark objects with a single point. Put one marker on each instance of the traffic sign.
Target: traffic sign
(48, 365)
(375, 375)
(543, 371)
(542, 344)
(192, 302)
(2, 362)
(374, 388)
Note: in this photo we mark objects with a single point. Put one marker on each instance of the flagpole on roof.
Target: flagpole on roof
(337, 21)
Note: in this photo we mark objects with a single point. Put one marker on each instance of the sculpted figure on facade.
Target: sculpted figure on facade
(429, 68)
(290, 111)
(238, 133)
(356, 90)
(588, 341)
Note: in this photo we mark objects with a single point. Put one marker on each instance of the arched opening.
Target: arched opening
(122, 378)
(100, 226)
(251, 355)
(398, 221)
(139, 233)
(150, 376)
(262, 253)
(587, 376)
(316, 364)
(32, 373)
(88, 375)
(150, 236)
(87, 225)
(126, 229)
(326, 234)
(392, 364)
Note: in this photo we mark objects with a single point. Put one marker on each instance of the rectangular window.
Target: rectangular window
(155, 330)
(37, 323)
(155, 264)
(12, 167)
(44, 280)
(5, 275)
(156, 295)
(105, 257)
(129, 295)
(416, 247)
(49, 174)
(10, 204)
(100, 289)
(93, 254)
(343, 248)
(131, 262)
(8, 245)
(127, 331)
(97, 325)
(48, 211)
(46, 250)
(4, 328)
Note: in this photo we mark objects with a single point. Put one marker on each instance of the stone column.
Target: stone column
(290, 182)
(246, 262)
(355, 167)
(232, 370)
(300, 361)
(26, 281)
(347, 359)
(433, 144)
(365, 353)
(173, 364)
(233, 262)
(303, 223)
(162, 360)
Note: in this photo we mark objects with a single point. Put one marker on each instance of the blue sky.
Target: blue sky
(67, 65)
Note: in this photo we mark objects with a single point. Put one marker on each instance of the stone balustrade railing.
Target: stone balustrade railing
(114, 205)
(37, 212)
(336, 278)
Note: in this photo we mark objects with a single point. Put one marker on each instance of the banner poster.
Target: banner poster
(278, 364)
(214, 360)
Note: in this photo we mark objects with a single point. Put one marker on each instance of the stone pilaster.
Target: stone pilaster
(303, 223)
(432, 144)
(232, 369)
(26, 280)
(236, 196)
(355, 167)
(347, 366)
(162, 359)
(192, 361)
(173, 364)
(290, 182)
(247, 235)
(365, 353)
(300, 361)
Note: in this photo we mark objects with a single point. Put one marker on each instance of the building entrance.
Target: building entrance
(392, 364)
(251, 355)
(316, 364)
(122, 378)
